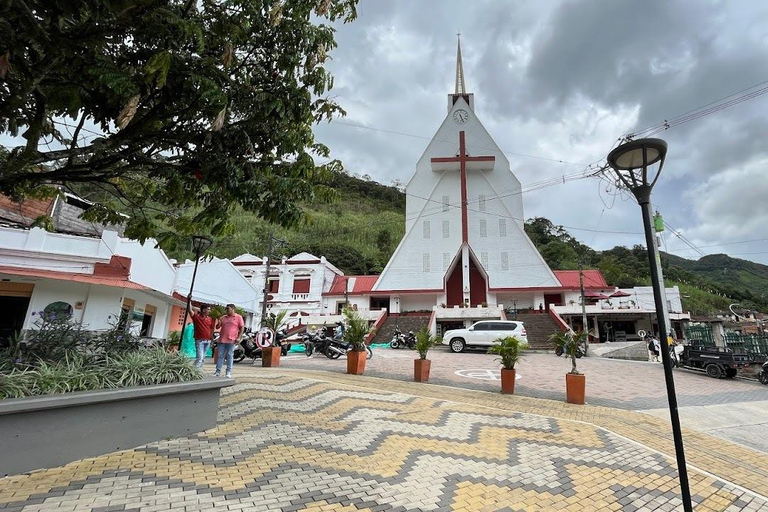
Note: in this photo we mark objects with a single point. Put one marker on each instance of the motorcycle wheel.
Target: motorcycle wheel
(394, 344)
(309, 349)
(239, 355)
(284, 349)
(330, 354)
(369, 352)
(558, 351)
(579, 353)
(763, 378)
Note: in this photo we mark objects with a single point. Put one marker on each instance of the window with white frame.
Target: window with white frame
(484, 260)
(503, 228)
(446, 260)
(504, 260)
(426, 229)
(426, 262)
(446, 229)
(483, 228)
(446, 203)
(481, 202)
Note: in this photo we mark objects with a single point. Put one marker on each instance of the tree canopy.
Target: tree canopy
(173, 111)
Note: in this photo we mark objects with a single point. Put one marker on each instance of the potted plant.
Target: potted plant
(270, 356)
(575, 382)
(357, 329)
(424, 341)
(509, 350)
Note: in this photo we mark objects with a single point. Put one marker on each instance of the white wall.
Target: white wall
(48, 291)
(53, 251)
(413, 302)
(149, 266)
(160, 322)
(102, 307)
(217, 282)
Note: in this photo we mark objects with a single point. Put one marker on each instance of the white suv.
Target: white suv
(483, 334)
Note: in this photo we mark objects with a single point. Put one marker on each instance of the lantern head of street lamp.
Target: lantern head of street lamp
(631, 162)
(200, 244)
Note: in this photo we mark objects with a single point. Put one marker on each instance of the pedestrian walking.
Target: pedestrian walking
(232, 327)
(204, 327)
(653, 354)
(657, 346)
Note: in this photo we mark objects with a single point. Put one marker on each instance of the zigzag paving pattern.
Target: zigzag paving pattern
(286, 442)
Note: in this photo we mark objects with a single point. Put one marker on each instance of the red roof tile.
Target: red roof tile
(362, 284)
(114, 282)
(593, 279)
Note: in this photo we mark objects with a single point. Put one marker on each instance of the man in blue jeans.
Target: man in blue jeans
(204, 326)
(232, 327)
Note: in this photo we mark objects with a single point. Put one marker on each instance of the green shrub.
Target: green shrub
(78, 372)
(357, 330)
(425, 341)
(509, 349)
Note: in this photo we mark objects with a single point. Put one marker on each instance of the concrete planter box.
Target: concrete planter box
(49, 431)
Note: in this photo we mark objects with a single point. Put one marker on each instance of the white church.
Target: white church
(465, 254)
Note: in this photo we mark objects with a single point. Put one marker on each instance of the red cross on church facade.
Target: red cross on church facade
(463, 159)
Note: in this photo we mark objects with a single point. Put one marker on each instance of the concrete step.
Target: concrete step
(404, 323)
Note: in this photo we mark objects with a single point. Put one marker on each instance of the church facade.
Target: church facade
(465, 253)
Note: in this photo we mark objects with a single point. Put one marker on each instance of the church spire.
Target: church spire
(461, 87)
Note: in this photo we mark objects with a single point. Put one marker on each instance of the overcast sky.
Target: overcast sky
(556, 83)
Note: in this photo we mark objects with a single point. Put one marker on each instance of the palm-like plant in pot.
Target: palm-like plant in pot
(357, 329)
(270, 356)
(575, 382)
(424, 341)
(509, 349)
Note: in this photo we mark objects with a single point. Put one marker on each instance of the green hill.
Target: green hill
(360, 231)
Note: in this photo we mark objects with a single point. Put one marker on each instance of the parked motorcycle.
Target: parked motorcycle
(580, 350)
(763, 375)
(330, 347)
(400, 340)
(249, 348)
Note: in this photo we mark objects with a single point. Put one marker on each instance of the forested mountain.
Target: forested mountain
(359, 232)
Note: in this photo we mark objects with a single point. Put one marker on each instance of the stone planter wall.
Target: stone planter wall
(49, 431)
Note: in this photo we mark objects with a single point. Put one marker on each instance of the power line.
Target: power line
(703, 110)
(511, 153)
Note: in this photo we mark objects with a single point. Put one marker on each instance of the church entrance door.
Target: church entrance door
(552, 299)
(477, 287)
(453, 292)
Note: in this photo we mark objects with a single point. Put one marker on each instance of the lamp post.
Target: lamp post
(631, 162)
(200, 244)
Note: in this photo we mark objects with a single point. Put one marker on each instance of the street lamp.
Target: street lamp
(631, 162)
(200, 244)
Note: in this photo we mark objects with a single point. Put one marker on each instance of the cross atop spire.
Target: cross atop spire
(461, 86)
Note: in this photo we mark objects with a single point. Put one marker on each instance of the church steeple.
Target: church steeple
(460, 83)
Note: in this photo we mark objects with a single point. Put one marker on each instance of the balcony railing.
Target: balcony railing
(299, 296)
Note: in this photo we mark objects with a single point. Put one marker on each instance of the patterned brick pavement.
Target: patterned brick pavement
(632, 385)
(295, 441)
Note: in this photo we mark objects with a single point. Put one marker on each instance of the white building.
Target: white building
(95, 279)
(295, 284)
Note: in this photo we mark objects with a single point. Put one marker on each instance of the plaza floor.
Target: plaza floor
(298, 440)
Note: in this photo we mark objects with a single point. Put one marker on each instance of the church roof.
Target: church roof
(593, 279)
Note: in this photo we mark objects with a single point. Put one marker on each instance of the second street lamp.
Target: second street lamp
(631, 161)
(200, 244)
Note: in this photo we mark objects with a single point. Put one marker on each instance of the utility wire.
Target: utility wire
(703, 110)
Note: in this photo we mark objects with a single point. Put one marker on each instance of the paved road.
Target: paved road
(633, 385)
(346, 447)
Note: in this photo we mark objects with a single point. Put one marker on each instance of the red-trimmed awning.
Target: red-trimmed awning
(113, 282)
(595, 295)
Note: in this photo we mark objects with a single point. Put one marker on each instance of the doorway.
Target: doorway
(552, 299)
(12, 320)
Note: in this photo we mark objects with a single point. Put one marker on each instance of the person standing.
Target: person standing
(653, 355)
(232, 327)
(657, 346)
(204, 327)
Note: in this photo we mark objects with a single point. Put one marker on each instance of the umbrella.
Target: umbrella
(619, 293)
(595, 296)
